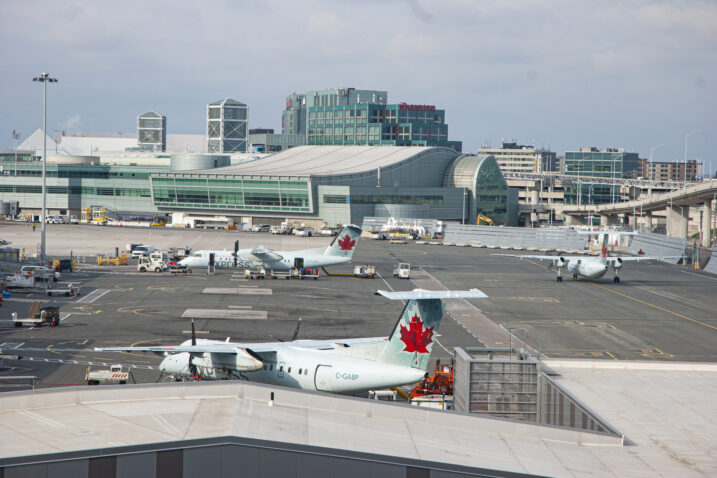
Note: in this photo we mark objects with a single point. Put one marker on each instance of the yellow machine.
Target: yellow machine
(113, 261)
(481, 219)
(159, 222)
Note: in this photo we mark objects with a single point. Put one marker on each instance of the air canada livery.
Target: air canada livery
(339, 366)
(339, 251)
(589, 267)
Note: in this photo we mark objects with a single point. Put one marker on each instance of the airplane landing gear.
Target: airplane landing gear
(575, 276)
(616, 279)
(560, 278)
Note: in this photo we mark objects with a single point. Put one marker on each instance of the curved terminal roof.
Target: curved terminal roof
(324, 160)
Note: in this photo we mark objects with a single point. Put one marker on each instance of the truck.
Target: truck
(150, 263)
(114, 375)
(402, 270)
(364, 272)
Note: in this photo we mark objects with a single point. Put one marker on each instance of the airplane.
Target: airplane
(588, 266)
(338, 252)
(337, 366)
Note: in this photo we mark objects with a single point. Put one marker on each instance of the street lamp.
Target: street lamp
(649, 161)
(44, 78)
(687, 135)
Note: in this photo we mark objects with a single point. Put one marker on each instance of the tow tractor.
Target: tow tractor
(151, 263)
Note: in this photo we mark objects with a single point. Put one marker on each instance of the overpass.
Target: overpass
(676, 205)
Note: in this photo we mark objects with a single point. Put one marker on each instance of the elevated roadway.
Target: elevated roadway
(675, 204)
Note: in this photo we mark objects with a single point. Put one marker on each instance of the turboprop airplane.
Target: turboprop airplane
(338, 366)
(338, 252)
(588, 266)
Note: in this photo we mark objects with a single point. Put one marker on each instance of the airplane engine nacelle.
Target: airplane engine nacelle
(617, 264)
(560, 262)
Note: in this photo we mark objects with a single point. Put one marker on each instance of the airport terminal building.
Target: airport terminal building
(311, 184)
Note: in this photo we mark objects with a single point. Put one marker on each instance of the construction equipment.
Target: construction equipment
(158, 221)
(39, 316)
(484, 219)
(402, 270)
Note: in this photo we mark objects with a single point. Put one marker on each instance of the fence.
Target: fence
(672, 248)
(515, 237)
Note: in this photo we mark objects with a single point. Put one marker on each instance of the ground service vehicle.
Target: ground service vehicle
(141, 250)
(39, 317)
(402, 271)
(148, 263)
(364, 272)
(114, 375)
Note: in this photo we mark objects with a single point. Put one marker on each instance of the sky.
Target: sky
(560, 74)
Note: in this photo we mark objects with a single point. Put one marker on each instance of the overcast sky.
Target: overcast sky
(560, 74)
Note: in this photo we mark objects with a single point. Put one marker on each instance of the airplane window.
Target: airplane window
(289, 370)
(306, 371)
(299, 371)
(281, 368)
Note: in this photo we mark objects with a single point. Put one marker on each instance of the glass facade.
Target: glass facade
(379, 124)
(239, 194)
(590, 163)
(152, 131)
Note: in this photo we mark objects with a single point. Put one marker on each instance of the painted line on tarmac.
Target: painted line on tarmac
(699, 275)
(639, 300)
(653, 305)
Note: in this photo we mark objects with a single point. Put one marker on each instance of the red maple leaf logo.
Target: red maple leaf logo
(346, 243)
(415, 338)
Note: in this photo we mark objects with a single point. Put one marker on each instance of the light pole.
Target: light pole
(463, 217)
(687, 135)
(15, 137)
(44, 78)
(649, 161)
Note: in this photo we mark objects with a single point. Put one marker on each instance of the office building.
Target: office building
(379, 125)
(665, 171)
(591, 163)
(517, 158)
(293, 120)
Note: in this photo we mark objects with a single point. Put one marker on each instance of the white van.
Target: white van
(139, 251)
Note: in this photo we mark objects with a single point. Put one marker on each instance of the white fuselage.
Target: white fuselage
(590, 268)
(246, 260)
(308, 369)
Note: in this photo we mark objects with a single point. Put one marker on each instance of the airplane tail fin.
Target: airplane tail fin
(344, 244)
(411, 341)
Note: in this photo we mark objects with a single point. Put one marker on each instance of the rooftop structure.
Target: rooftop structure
(227, 126)
(152, 131)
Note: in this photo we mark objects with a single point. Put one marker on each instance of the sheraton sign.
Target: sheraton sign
(405, 106)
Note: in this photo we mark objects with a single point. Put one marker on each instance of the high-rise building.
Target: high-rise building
(227, 126)
(514, 157)
(293, 120)
(152, 131)
(604, 163)
(378, 124)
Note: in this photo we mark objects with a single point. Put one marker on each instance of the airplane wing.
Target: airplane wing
(265, 254)
(637, 258)
(433, 294)
(545, 258)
